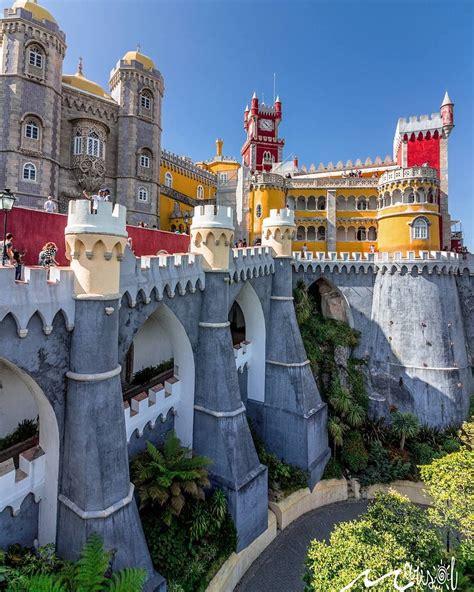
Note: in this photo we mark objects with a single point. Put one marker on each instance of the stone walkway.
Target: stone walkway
(281, 566)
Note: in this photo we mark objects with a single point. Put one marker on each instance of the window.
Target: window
(29, 172)
(35, 57)
(362, 204)
(361, 234)
(77, 145)
(31, 130)
(94, 145)
(168, 180)
(223, 177)
(258, 211)
(145, 100)
(145, 161)
(142, 194)
(200, 192)
(420, 229)
(321, 233)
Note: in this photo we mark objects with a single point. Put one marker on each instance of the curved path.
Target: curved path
(281, 566)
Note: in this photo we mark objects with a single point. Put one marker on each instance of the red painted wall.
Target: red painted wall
(426, 150)
(31, 229)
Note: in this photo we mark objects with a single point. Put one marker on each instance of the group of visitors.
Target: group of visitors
(241, 243)
(356, 173)
(102, 195)
(12, 257)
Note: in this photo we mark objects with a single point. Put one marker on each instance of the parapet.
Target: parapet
(283, 217)
(278, 231)
(210, 216)
(109, 219)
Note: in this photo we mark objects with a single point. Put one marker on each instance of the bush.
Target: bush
(422, 453)
(147, 374)
(354, 455)
(381, 468)
(192, 548)
(333, 470)
(25, 429)
(451, 445)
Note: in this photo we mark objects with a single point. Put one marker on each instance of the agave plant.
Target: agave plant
(89, 574)
(165, 476)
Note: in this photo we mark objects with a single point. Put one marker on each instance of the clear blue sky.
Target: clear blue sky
(346, 70)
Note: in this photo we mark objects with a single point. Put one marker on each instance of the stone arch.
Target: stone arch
(330, 301)
(255, 333)
(48, 441)
(160, 337)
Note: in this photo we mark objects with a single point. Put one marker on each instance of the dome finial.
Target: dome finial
(79, 67)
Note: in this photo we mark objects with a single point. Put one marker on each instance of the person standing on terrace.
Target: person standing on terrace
(50, 205)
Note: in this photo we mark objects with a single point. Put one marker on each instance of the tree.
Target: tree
(392, 532)
(89, 574)
(165, 476)
(450, 483)
(405, 425)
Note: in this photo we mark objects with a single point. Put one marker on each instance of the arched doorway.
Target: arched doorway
(21, 398)
(247, 321)
(162, 337)
(330, 301)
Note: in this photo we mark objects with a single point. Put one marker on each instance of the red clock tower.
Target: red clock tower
(263, 147)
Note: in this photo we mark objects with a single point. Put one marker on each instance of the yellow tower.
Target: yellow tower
(279, 232)
(267, 192)
(408, 214)
(95, 245)
(212, 233)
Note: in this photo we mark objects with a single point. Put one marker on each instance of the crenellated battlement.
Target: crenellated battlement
(252, 262)
(211, 216)
(284, 216)
(109, 219)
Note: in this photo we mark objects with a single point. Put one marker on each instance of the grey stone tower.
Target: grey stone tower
(96, 495)
(137, 86)
(32, 49)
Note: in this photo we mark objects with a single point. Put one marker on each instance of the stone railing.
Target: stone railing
(408, 173)
(183, 198)
(321, 182)
(268, 179)
(242, 354)
(16, 484)
(146, 407)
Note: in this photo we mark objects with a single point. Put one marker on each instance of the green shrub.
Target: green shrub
(25, 429)
(422, 453)
(333, 470)
(190, 550)
(381, 468)
(354, 455)
(147, 374)
(451, 445)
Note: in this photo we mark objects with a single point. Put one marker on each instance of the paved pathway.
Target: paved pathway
(281, 566)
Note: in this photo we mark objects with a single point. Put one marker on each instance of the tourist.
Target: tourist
(372, 249)
(304, 250)
(50, 205)
(7, 249)
(47, 256)
(18, 263)
(94, 199)
(107, 196)
(240, 244)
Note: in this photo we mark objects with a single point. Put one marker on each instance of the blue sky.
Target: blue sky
(346, 70)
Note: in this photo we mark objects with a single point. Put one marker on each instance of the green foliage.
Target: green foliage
(333, 470)
(354, 454)
(190, 550)
(283, 479)
(167, 476)
(25, 429)
(450, 482)
(405, 425)
(147, 374)
(392, 532)
(25, 570)
(382, 468)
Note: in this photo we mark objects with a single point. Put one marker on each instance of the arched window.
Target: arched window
(95, 146)
(321, 203)
(146, 100)
(145, 160)
(420, 228)
(32, 129)
(200, 192)
(168, 180)
(311, 233)
(372, 234)
(361, 234)
(258, 211)
(142, 194)
(362, 204)
(301, 203)
(77, 145)
(321, 233)
(29, 172)
(301, 233)
(267, 157)
(311, 203)
(35, 57)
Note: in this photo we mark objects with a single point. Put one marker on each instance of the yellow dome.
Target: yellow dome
(79, 81)
(147, 62)
(38, 12)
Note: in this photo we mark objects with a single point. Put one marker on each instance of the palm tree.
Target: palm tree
(87, 575)
(405, 425)
(166, 476)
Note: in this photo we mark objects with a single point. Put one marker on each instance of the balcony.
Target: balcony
(408, 173)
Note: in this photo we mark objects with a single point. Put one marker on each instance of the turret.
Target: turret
(212, 233)
(95, 244)
(278, 108)
(254, 104)
(246, 115)
(219, 144)
(447, 114)
(279, 232)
